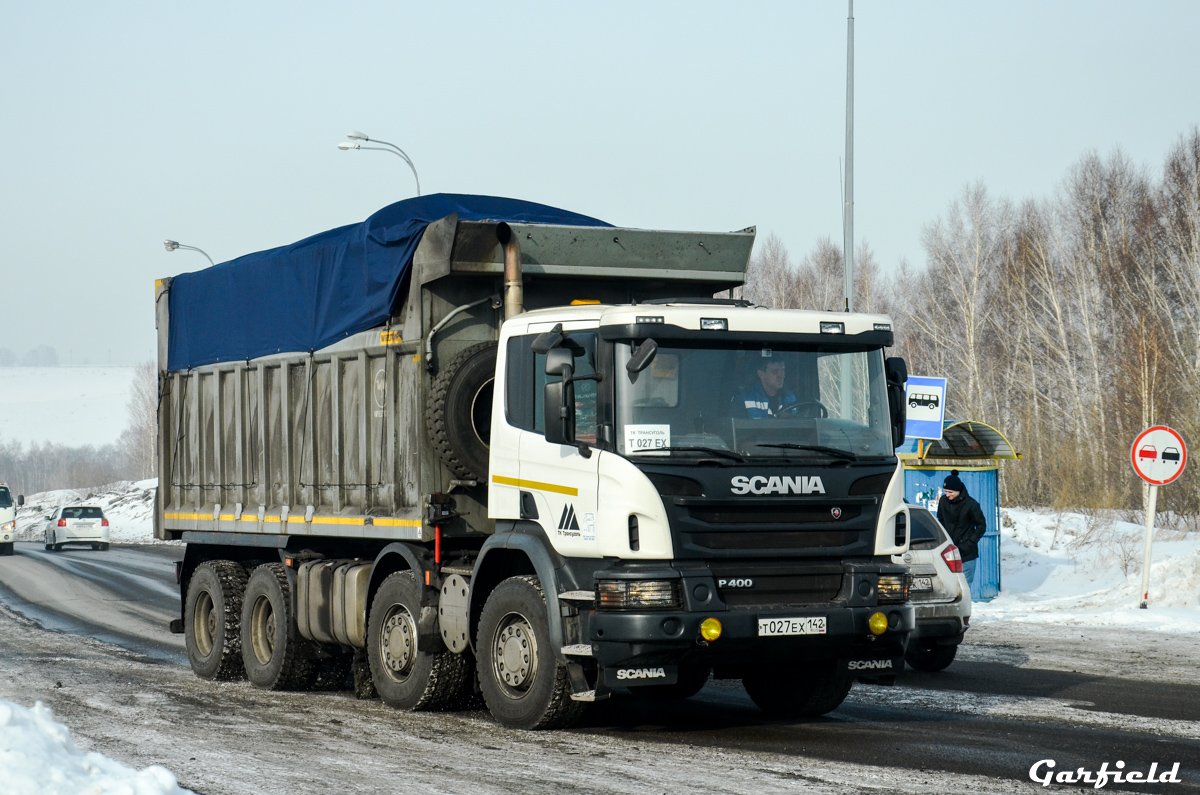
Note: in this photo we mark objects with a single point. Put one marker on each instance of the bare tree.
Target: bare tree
(139, 440)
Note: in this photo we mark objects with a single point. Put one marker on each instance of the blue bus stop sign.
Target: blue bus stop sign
(926, 407)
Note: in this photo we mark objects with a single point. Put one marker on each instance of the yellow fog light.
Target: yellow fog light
(877, 623)
(710, 629)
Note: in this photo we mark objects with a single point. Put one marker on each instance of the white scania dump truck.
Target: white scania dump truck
(8, 519)
(480, 447)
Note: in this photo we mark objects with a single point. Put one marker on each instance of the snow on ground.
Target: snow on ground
(38, 757)
(1083, 570)
(73, 406)
(128, 506)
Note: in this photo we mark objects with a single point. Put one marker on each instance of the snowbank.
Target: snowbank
(128, 506)
(37, 757)
(73, 406)
(1072, 569)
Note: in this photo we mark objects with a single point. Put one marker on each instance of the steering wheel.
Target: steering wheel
(803, 408)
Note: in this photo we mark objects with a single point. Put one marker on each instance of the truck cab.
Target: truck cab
(719, 481)
(8, 519)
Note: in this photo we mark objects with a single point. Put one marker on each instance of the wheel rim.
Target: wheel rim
(398, 643)
(262, 630)
(481, 413)
(204, 623)
(514, 655)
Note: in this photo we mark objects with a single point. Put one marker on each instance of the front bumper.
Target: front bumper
(620, 640)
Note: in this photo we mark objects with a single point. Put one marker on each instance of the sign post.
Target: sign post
(926, 398)
(1158, 455)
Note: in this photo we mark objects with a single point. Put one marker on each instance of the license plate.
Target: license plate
(808, 625)
(922, 584)
(83, 525)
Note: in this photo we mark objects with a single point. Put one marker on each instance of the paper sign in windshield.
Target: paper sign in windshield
(646, 438)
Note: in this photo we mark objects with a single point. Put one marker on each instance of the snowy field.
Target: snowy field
(1072, 569)
(72, 406)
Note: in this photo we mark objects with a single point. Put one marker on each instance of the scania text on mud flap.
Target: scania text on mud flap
(475, 439)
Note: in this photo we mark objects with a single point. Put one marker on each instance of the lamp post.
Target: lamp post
(172, 245)
(356, 137)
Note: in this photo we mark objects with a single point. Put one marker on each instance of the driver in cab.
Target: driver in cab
(766, 398)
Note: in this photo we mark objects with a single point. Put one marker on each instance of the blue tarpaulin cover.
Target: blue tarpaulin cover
(324, 288)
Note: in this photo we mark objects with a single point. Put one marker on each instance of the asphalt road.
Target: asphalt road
(1016, 695)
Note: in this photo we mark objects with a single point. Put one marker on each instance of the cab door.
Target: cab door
(561, 483)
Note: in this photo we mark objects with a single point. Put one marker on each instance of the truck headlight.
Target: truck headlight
(637, 594)
(892, 588)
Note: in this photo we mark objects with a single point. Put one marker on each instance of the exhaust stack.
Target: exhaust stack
(514, 296)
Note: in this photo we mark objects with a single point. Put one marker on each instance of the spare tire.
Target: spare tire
(460, 411)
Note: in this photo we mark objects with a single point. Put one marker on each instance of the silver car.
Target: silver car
(939, 593)
(77, 524)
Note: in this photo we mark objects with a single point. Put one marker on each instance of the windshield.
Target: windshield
(5, 497)
(754, 401)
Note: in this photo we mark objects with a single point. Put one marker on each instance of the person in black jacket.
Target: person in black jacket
(963, 519)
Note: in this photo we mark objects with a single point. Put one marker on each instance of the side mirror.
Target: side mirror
(558, 412)
(558, 397)
(897, 375)
(548, 340)
(20, 500)
(642, 358)
(560, 362)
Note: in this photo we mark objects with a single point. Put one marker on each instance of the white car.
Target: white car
(8, 519)
(77, 524)
(939, 593)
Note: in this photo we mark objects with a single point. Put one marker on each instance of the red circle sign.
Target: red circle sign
(1158, 455)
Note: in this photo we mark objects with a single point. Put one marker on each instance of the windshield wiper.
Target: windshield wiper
(689, 448)
(816, 448)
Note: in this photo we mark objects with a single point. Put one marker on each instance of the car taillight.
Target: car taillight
(952, 558)
(104, 523)
(62, 522)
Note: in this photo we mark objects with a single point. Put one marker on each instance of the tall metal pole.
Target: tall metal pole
(848, 233)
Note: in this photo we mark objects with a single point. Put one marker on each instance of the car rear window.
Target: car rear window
(82, 513)
(925, 528)
(5, 497)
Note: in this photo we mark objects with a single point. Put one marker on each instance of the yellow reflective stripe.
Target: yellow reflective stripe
(357, 521)
(250, 517)
(187, 516)
(399, 523)
(337, 520)
(227, 517)
(533, 484)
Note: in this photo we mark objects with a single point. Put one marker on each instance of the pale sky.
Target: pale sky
(216, 124)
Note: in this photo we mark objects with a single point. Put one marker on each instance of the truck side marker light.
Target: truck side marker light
(710, 628)
(427, 578)
(877, 623)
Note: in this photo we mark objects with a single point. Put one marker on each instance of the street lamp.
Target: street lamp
(355, 137)
(172, 245)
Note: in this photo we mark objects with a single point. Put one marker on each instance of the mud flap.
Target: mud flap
(632, 676)
(874, 671)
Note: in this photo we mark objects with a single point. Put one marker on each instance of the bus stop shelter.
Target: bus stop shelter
(975, 449)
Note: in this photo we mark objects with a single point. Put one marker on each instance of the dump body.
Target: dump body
(333, 443)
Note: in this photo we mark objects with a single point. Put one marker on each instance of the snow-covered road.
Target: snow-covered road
(1019, 693)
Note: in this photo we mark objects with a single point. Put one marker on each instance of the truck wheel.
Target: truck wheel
(212, 618)
(6, 549)
(406, 675)
(275, 655)
(692, 679)
(798, 691)
(523, 683)
(930, 656)
(460, 411)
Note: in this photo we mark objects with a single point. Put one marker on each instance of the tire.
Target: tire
(274, 654)
(212, 618)
(6, 549)
(50, 546)
(104, 547)
(364, 688)
(405, 675)
(798, 691)
(95, 547)
(460, 411)
(930, 657)
(692, 679)
(524, 685)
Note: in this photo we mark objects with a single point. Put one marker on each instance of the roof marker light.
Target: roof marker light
(832, 328)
